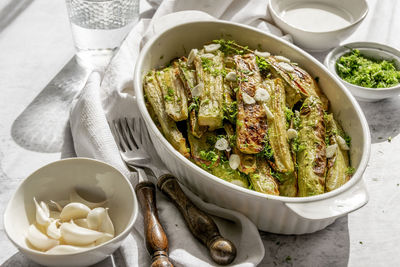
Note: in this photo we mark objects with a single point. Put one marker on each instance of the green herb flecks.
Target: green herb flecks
(359, 70)
(263, 66)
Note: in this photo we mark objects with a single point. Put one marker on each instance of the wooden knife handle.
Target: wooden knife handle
(156, 239)
(202, 226)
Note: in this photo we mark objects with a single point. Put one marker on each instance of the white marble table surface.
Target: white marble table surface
(36, 43)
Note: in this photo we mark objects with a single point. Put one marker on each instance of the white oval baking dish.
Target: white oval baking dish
(274, 214)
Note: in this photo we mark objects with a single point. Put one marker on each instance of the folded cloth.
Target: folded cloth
(109, 95)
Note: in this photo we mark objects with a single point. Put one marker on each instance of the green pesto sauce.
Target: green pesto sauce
(359, 70)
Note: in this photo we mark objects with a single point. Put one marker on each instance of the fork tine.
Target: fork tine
(116, 136)
(130, 138)
(144, 133)
(132, 128)
(121, 135)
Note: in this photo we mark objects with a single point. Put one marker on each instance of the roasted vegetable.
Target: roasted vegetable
(338, 164)
(225, 172)
(248, 162)
(288, 185)
(202, 150)
(210, 81)
(168, 126)
(300, 84)
(262, 180)
(277, 135)
(188, 77)
(251, 126)
(173, 92)
(312, 159)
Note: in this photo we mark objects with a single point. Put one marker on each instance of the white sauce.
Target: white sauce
(316, 17)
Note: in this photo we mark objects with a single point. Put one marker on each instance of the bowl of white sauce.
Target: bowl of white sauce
(318, 25)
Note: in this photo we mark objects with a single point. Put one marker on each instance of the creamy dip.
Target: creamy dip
(316, 17)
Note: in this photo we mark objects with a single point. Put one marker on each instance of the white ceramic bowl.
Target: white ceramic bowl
(275, 214)
(54, 182)
(318, 25)
(371, 50)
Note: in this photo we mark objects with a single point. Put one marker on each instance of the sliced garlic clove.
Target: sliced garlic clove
(234, 161)
(191, 56)
(211, 48)
(81, 223)
(291, 133)
(342, 143)
(107, 225)
(221, 144)
(268, 112)
(95, 218)
(104, 239)
(66, 249)
(42, 217)
(53, 231)
(40, 240)
(197, 90)
(231, 76)
(261, 95)
(74, 210)
(331, 151)
(247, 99)
(286, 67)
(282, 59)
(76, 235)
(208, 56)
(261, 54)
(75, 197)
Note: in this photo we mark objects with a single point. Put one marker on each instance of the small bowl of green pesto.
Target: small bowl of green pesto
(371, 71)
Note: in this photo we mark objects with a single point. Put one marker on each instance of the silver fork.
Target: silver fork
(134, 142)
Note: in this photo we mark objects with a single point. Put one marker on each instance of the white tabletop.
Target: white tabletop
(36, 43)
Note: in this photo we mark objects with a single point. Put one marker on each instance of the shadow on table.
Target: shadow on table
(40, 127)
(328, 247)
(18, 259)
(383, 118)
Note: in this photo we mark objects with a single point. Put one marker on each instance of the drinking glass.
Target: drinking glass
(101, 24)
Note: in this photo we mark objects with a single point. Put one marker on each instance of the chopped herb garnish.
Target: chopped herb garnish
(359, 70)
(263, 66)
(350, 170)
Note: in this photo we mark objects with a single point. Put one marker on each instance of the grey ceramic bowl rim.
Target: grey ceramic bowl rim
(337, 52)
(362, 17)
(128, 228)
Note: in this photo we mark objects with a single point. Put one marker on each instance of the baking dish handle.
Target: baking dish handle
(339, 205)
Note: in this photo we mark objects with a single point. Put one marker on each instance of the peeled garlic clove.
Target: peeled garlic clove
(231, 76)
(107, 225)
(75, 197)
(191, 56)
(248, 99)
(286, 67)
(261, 95)
(282, 59)
(221, 144)
(234, 161)
(66, 249)
(291, 133)
(261, 54)
(40, 240)
(81, 222)
(211, 48)
(104, 239)
(198, 89)
(45, 208)
(76, 235)
(42, 217)
(95, 218)
(74, 210)
(268, 112)
(53, 231)
(331, 151)
(342, 143)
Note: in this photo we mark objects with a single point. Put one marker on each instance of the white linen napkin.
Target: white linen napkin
(108, 95)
